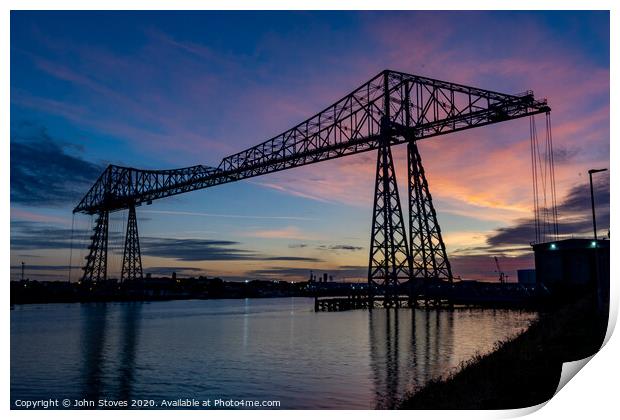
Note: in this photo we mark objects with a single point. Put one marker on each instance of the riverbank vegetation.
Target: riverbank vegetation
(523, 371)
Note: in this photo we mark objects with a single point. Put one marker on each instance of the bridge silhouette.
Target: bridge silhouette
(390, 109)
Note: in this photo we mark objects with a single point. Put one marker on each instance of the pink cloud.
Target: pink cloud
(288, 232)
(20, 214)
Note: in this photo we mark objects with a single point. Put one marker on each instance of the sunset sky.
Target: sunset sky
(163, 90)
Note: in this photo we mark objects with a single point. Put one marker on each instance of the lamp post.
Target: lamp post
(599, 297)
(590, 172)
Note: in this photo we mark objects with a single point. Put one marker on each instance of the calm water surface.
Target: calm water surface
(265, 349)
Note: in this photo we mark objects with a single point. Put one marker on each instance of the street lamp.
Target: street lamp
(590, 172)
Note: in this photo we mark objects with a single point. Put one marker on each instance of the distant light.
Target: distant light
(553, 246)
(247, 281)
(593, 243)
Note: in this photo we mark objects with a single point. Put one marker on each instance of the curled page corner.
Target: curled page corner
(570, 369)
(519, 412)
(612, 318)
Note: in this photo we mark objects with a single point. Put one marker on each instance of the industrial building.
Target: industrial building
(573, 265)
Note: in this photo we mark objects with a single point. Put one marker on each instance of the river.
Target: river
(243, 349)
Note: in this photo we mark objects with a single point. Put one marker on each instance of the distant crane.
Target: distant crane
(503, 278)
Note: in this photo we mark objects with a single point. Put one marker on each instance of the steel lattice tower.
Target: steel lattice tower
(390, 260)
(428, 252)
(95, 269)
(389, 254)
(132, 260)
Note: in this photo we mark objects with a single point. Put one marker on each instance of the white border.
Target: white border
(592, 394)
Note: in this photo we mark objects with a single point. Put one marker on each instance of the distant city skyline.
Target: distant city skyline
(172, 89)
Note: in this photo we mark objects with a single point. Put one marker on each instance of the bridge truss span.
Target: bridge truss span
(390, 109)
(419, 108)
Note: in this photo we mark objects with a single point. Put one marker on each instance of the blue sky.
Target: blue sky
(172, 89)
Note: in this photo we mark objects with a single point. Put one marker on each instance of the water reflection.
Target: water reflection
(130, 320)
(98, 362)
(93, 337)
(418, 342)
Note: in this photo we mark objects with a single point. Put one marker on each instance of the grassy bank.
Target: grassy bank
(523, 371)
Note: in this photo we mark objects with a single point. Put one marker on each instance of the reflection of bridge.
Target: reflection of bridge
(420, 342)
(94, 336)
(390, 109)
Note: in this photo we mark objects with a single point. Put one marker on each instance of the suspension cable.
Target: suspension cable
(552, 164)
(71, 246)
(534, 178)
(543, 183)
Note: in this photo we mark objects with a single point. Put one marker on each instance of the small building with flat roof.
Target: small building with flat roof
(572, 264)
(527, 277)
